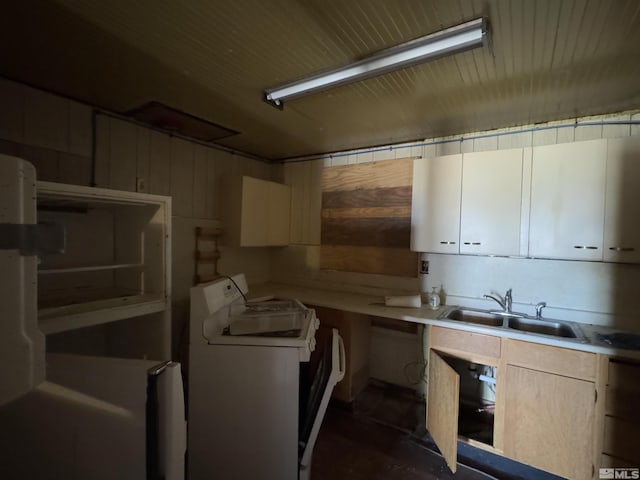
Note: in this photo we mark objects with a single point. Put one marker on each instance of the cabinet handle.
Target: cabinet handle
(585, 247)
(447, 243)
(622, 249)
(472, 243)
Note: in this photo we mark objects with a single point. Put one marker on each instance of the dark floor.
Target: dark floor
(381, 436)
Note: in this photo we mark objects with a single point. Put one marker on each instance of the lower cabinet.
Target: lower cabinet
(620, 446)
(549, 421)
(461, 393)
(355, 330)
(542, 406)
(550, 407)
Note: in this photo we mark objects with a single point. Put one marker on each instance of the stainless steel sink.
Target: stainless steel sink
(544, 327)
(474, 316)
(520, 322)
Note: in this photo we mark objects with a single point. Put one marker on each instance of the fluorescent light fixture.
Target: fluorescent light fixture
(445, 42)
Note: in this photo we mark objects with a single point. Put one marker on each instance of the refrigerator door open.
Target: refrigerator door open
(22, 365)
(99, 418)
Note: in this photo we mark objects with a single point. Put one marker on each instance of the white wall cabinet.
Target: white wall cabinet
(567, 201)
(257, 212)
(622, 204)
(435, 206)
(570, 201)
(491, 202)
(116, 267)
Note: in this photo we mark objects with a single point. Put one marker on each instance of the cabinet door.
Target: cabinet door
(622, 206)
(279, 212)
(549, 421)
(435, 206)
(491, 202)
(255, 212)
(567, 201)
(443, 407)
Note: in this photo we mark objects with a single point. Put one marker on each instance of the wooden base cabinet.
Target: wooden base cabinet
(550, 408)
(620, 446)
(547, 411)
(549, 421)
(453, 356)
(355, 330)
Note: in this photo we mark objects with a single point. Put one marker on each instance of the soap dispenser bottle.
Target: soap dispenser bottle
(433, 299)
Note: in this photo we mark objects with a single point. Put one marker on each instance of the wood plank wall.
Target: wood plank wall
(366, 218)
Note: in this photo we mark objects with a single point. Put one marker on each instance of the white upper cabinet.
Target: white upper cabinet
(622, 207)
(257, 212)
(567, 201)
(435, 206)
(491, 202)
(279, 205)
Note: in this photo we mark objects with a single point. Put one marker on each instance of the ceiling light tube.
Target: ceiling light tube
(445, 42)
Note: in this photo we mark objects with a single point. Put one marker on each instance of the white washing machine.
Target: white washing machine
(258, 386)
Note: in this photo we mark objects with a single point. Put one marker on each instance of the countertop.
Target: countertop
(374, 305)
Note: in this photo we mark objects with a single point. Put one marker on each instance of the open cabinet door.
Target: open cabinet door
(442, 407)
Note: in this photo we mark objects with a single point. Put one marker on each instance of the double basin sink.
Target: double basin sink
(520, 322)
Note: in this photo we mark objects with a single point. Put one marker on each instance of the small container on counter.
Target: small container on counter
(433, 299)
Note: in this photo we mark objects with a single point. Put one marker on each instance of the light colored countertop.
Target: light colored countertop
(374, 305)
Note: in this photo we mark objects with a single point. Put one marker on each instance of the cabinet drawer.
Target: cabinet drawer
(561, 361)
(470, 342)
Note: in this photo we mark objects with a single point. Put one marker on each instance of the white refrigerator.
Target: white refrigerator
(69, 416)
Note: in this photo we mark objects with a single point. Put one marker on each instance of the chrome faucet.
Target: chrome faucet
(505, 303)
(539, 308)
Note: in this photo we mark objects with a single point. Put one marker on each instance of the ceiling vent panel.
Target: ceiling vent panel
(169, 119)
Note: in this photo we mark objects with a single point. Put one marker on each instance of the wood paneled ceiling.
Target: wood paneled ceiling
(548, 60)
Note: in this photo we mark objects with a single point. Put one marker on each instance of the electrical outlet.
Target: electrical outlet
(424, 267)
(141, 185)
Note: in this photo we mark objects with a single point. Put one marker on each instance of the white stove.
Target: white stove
(258, 386)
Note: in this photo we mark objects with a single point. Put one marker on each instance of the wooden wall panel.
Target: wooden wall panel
(315, 202)
(200, 189)
(210, 183)
(123, 155)
(80, 129)
(143, 154)
(12, 111)
(74, 169)
(383, 261)
(182, 153)
(159, 181)
(366, 218)
(45, 161)
(103, 132)
(390, 232)
(305, 180)
(368, 197)
(388, 173)
(46, 120)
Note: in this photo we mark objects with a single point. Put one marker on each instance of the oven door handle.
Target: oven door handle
(343, 358)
